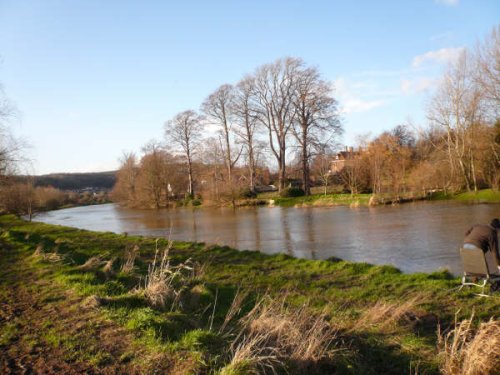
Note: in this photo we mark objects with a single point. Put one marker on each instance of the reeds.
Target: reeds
(385, 315)
(164, 282)
(272, 332)
(51, 257)
(93, 263)
(130, 256)
(468, 351)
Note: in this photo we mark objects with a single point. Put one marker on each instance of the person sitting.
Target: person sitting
(485, 237)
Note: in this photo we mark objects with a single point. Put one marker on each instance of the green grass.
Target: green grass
(189, 331)
(319, 200)
(481, 196)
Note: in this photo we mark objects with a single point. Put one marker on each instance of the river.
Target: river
(415, 237)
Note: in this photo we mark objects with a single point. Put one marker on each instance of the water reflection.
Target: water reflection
(413, 237)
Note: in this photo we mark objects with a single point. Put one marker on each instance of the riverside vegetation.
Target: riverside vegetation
(80, 301)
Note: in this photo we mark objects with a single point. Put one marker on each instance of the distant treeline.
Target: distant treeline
(77, 181)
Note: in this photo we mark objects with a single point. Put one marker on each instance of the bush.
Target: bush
(292, 192)
(247, 193)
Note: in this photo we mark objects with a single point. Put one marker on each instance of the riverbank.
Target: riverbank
(356, 200)
(373, 319)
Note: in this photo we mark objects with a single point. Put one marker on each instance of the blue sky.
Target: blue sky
(91, 79)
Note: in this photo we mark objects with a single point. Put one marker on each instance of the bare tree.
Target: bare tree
(487, 72)
(152, 174)
(321, 167)
(218, 108)
(214, 156)
(246, 121)
(185, 131)
(12, 149)
(457, 108)
(125, 188)
(316, 118)
(274, 104)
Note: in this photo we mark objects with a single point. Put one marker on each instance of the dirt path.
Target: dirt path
(45, 329)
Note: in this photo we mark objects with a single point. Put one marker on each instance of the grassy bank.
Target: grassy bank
(355, 200)
(481, 196)
(210, 309)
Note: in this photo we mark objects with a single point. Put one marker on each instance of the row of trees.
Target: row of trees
(282, 109)
(284, 117)
(460, 148)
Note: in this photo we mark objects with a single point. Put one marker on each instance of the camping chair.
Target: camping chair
(476, 271)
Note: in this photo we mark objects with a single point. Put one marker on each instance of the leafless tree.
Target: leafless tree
(321, 167)
(246, 120)
(185, 131)
(273, 95)
(487, 72)
(12, 149)
(218, 107)
(126, 185)
(214, 155)
(316, 118)
(457, 108)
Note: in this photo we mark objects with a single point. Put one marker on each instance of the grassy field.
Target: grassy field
(80, 301)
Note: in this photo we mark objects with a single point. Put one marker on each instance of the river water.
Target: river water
(415, 237)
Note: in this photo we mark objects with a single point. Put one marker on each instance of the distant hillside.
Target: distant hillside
(77, 181)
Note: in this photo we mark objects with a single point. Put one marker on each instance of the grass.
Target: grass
(467, 350)
(355, 200)
(481, 196)
(351, 317)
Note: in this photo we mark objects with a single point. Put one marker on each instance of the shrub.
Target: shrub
(292, 192)
(247, 193)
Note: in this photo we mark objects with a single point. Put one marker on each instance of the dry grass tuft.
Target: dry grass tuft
(38, 251)
(108, 267)
(234, 310)
(49, 257)
(385, 315)
(164, 282)
(130, 256)
(273, 332)
(468, 351)
(254, 354)
(93, 263)
(92, 302)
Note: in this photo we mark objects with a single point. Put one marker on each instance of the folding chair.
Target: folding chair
(476, 271)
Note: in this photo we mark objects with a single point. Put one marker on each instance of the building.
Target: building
(343, 159)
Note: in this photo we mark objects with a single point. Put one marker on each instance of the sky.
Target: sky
(93, 79)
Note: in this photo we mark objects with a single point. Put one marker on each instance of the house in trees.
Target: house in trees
(343, 159)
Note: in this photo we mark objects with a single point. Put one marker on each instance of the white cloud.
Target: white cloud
(352, 99)
(360, 105)
(450, 3)
(416, 85)
(440, 56)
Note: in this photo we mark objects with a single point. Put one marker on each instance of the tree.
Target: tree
(126, 180)
(273, 95)
(457, 108)
(246, 121)
(321, 165)
(214, 155)
(152, 176)
(487, 72)
(185, 131)
(11, 148)
(316, 120)
(218, 107)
